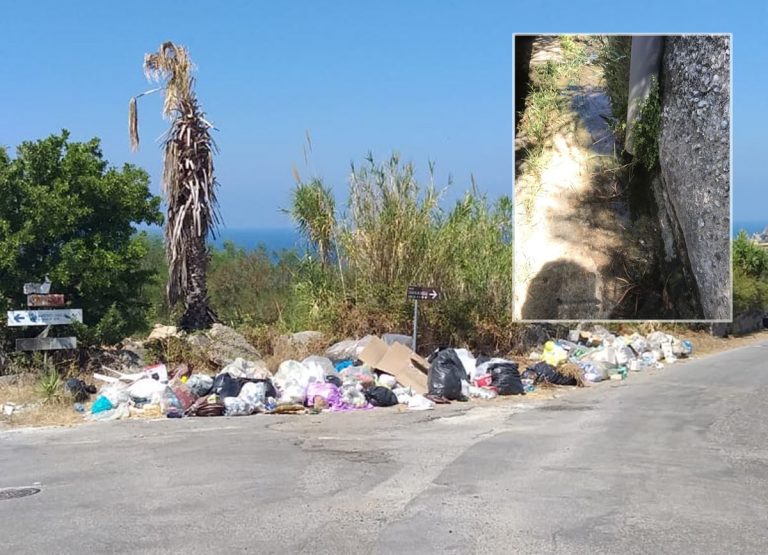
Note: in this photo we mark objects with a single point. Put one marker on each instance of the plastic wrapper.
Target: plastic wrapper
(554, 354)
(146, 388)
(352, 394)
(419, 402)
(386, 380)
(349, 349)
(292, 393)
(328, 392)
(235, 406)
(255, 394)
(298, 373)
(183, 394)
(482, 392)
(468, 362)
(323, 363)
(200, 385)
(224, 385)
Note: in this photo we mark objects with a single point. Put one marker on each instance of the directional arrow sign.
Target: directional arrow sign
(44, 317)
(418, 293)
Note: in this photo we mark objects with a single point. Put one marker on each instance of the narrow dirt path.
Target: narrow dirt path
(570, 220)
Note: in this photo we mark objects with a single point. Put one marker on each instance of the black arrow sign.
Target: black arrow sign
(419, 293)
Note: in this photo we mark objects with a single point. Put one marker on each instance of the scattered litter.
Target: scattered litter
(367, 373)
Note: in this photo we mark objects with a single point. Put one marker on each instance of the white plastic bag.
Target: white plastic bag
(323, 363)
(419, 402)
(255, 394)
(468, 361)
(235, 406)
(146, 388)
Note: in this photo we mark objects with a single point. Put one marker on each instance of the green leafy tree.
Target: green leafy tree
(750, 275)
(65, 213)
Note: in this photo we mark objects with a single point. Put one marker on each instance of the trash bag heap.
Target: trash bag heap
(601, 355)
(369, 373)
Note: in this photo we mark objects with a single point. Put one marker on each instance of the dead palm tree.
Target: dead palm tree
(189, 183)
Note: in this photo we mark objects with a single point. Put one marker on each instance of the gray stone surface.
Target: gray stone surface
(694, 151)
(669, 461)
(225, 345)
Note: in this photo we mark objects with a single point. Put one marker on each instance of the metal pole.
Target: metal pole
(415, 321)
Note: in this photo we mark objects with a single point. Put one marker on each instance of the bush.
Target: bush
(750, 275)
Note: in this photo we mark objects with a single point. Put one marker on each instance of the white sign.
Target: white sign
(44, 317)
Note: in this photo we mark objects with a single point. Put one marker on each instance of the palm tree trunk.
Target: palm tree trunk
(197, 313)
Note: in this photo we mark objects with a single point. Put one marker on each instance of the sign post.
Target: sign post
(418, 293)
(38, 296)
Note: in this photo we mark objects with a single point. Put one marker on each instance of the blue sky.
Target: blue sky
(431, 80)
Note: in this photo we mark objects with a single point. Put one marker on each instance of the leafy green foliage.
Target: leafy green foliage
(66, 214)
(750, 275)
(646, 129)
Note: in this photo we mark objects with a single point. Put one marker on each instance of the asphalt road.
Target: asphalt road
(670, 461)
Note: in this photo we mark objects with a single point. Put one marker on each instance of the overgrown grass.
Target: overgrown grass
(396, 233)
(614, 56)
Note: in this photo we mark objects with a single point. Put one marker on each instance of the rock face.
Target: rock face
(224, 345)
(694, 152)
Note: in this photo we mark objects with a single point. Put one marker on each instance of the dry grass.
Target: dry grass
(24, 390)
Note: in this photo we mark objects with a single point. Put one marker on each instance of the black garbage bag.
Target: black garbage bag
(548, 373)
(505, 378)
(335, 380)
(79, 390)
(380, 396)
(270, 390)
(530, 375)
(445, 375)
(225, 385)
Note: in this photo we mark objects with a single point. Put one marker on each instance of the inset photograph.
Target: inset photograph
(622, 190)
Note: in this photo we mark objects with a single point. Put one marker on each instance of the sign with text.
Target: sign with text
(45, 300)
(44, 317)
(46, 343)
(418, 293)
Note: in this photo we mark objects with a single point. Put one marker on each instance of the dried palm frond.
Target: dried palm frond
(133, 124)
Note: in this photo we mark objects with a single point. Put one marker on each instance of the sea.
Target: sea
(276, 240)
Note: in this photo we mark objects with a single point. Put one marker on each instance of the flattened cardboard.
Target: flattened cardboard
(399, 361)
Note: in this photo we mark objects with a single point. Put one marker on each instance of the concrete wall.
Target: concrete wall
(694, 152)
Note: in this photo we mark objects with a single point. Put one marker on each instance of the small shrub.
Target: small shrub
(50, 385)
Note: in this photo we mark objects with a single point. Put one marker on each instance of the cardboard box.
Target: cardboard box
(407, 367)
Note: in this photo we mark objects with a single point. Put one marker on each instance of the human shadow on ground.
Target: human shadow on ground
(562, 290)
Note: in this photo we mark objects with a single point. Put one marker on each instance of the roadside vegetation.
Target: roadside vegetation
(750, 275)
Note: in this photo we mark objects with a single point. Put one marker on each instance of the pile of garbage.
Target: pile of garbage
(353, 375)
(601, 355)
(371, 372)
